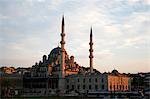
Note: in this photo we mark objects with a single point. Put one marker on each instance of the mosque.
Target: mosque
(59, 74)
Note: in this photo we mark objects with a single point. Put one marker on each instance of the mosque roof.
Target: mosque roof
(54, 54)
(56, 50)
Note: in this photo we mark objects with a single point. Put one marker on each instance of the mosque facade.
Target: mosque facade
(59, 73)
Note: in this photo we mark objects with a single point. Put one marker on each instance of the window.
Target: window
(102, 79)
(95, 79)
(52, 86)
(67, 86)
(126, 87)
(83, 86)
(89, 79)
(110, 87)
(78, 86)
(84, 80)
(72, 86)
(120, 87)
(114, 87)
(78, 80)
(56, 83)
(102, 86)
(89, 86)
(96, 87)
(117, 87)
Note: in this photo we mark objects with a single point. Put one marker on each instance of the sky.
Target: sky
(30, 29)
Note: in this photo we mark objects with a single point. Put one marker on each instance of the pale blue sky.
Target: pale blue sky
(31, 28)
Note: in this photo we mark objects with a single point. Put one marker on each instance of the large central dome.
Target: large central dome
(55, 55)
(55, 51)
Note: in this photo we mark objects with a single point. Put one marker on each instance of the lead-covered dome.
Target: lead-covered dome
(115, 71)
(55, 51)
(54, 55)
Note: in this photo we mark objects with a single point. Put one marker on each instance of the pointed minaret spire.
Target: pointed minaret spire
(63, 25)
(62, 42)
(91, 34)
(91, 51)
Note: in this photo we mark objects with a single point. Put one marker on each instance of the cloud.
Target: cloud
(139, 1)
(104, 54)
(54, 4)
(31, 28)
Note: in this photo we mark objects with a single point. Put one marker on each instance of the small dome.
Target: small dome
(71, 56)
(44, 56)
(115, 71)
(55, 55)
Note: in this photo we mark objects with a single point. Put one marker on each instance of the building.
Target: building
(118, 82)
(59, 74)
(11, 84)
(8, 70)
(11, 81)
(48, 76)
(147, 81)
(137, 82)
(91, 82)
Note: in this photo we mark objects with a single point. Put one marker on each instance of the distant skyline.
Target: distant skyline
(31, 29)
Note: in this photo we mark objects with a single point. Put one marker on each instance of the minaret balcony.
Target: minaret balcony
(91, 56)
(91, 50)
(62, 42)
(90, 43)
(62, 34)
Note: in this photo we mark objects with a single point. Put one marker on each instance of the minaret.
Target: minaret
(62, 42)
(91, 52)
(61, 83)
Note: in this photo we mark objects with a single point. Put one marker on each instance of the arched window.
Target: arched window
(78, 86)
(78, 80)
(89, 86)
(83, 86)
(89, 79)
(126, 87)
(120, 87)
(72, 86)
(84, 80)
(102, 79)
(103, 87)
(110, 87)
(67, 86)
(96, 87)
(96, 80)
(114, 87)
(117, 87)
